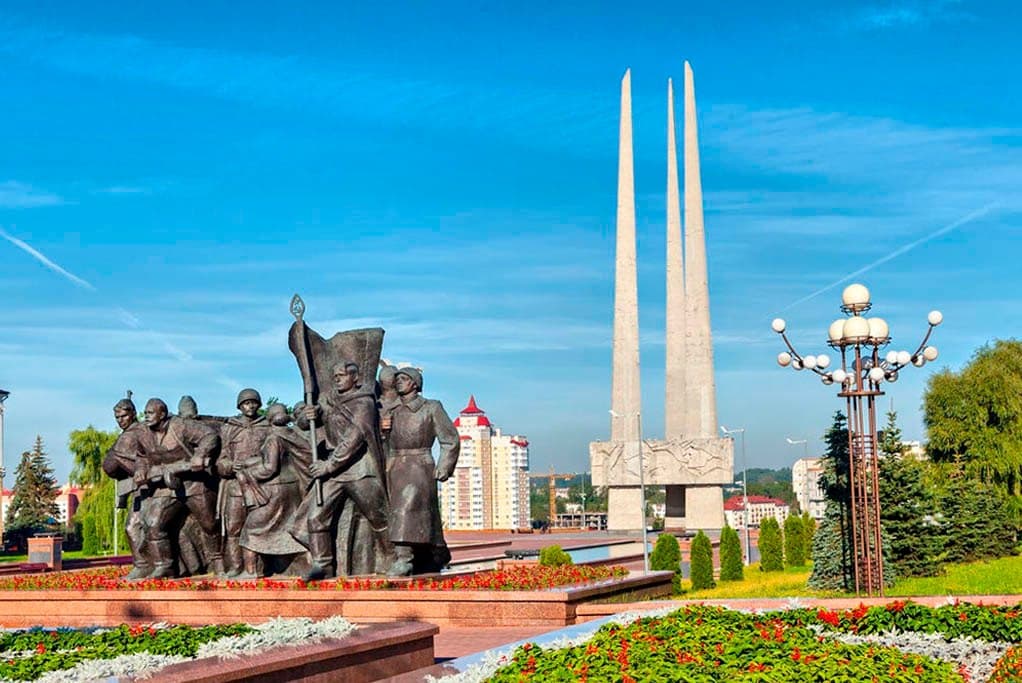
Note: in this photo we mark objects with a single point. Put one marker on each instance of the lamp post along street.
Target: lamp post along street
(859, 379)
(3, 398)
(745, 490)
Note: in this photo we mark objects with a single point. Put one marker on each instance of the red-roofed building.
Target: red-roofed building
(760, 507)
(490, 486)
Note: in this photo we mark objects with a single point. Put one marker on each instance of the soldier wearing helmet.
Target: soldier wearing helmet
(241, 439)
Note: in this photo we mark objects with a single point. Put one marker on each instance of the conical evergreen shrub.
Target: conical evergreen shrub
(731, 568)
(771, 548)
(808, 530)
(794, 542)
(702, 562)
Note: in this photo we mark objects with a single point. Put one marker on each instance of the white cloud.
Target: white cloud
(15, 195)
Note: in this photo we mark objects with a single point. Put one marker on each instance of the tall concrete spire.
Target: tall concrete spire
(701, 398)
(674, 403)
(625, 395)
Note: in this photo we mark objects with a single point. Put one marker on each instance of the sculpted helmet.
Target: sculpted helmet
(126, 404)
(412, 373)
(249, 395)
(186, 407)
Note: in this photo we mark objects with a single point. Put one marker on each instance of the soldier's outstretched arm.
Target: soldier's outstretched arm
(204, 440)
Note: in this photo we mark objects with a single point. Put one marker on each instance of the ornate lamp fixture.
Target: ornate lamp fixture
(863, 369)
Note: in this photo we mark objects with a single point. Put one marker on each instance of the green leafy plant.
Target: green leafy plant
(731, 568)
(666, 556)
(771, 549)
(794, 542)
(808, 531)
(703, 643)
(554, 556)
(701, 562)
(63, 649)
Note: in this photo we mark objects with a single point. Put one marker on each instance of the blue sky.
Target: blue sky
(448, 171)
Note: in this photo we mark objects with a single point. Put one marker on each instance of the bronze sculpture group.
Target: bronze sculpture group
(343, 484)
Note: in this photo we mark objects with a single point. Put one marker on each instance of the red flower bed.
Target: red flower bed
(519, 578)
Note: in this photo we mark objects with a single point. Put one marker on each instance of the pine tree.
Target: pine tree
(794, 542)
(702, 562)
(808, 530)
(832, 543)
(731, 568)
(34, 506)
(771, 546)
(832, 552)
(977, 520)
(912, 536)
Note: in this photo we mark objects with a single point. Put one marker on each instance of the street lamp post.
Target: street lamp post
(863, 369)
(729, 433)
(642, 490)
(3, 397)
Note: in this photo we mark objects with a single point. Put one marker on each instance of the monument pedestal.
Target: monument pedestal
(692, 470)
(624, 508)
(46, 550)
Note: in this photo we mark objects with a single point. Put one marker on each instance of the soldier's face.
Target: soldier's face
(404, 384)
(250, 407)
(154, 414)
(124, 418)
(343, 381)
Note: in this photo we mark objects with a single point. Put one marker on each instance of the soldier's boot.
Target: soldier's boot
(250, 560)
(163, 558)
(212, 554)
(140, 570)
(404, 556)
(321, 546)
(233, 562)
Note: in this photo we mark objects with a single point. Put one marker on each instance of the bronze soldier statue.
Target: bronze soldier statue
(119, 463)
(276, 493)
(241, 440)
(412, 476)
(177, 470)
(388, 398)
(189, 536)
(352, 470)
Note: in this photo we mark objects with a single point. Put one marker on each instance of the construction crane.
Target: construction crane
(554, 476)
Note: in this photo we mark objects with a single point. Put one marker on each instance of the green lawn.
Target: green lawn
(1002, 576)
(67, 555)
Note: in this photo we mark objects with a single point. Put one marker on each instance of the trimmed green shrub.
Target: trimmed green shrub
(731, 568)
(808, 529)
(666, 556)
(771, 549)
(702, 562)
(794, 542)
(554, 556)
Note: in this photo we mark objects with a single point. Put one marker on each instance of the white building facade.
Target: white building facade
(490, 486)
(760, 507)
(805, 481)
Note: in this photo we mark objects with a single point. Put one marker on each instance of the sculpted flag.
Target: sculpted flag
(361, 346)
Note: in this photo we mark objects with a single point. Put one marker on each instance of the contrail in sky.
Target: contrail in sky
(126, 317)
(38, 256)
(968, 218)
